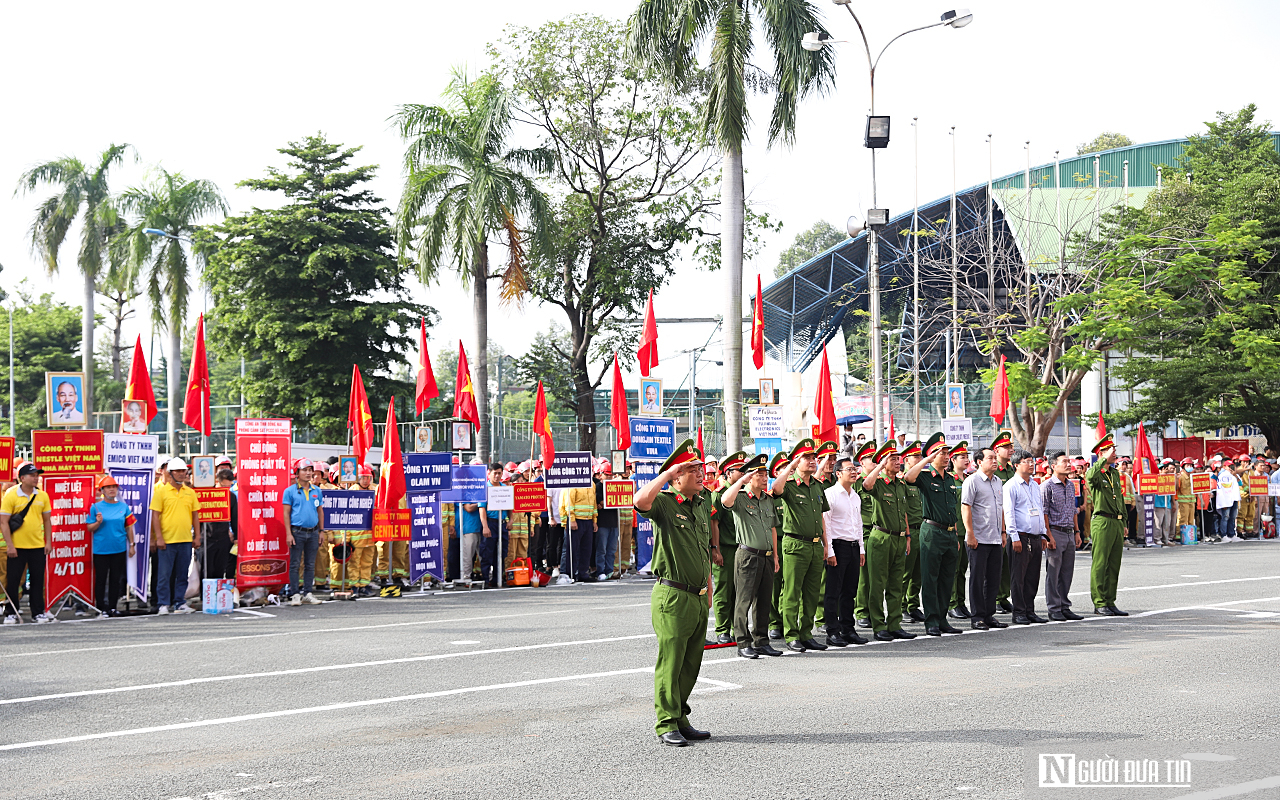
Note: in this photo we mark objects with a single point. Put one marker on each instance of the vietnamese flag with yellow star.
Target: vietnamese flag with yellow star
(464, 393)
(359, 417)
(391, 487)
(757, 328)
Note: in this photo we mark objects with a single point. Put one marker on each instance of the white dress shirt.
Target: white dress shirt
(844, 520)
(1023, 508)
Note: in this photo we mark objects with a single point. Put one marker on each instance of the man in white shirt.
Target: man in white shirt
(1024, 523)
(844, 555)
(1228, 502)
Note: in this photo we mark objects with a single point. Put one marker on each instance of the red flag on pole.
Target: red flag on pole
(426, 377)
(701, 449)
(892, 433)
(648, 353)
(359, 417)
(542, 427)
(139, 387)
(1143, 455)
(618, 416)
(1000, 395)
(824, 411)
(464, 393)
(391, 486)
(1101, 429)
(757, 327)
(195, 408)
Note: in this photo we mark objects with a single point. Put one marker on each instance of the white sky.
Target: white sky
(213, 90)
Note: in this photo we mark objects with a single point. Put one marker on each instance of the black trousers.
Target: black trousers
(1132, 532)
(1024, 570)
(455, 547)
(108, 579)
(537, 540)
(554, 543)
(984, 579)
(217, 549)
(842, 587)
(32, 560)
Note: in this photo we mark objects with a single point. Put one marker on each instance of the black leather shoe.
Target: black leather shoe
(673, 739)
(695, 735)
(747, 652)
(964, 611)
(865, 622)
(1072, 615)
(813, 644)
(796, 647)
(1115, 612)
(977, 624)
(957, 613)
(1103, 611)
(724, 638)
(945, 628)
(992, 622)
(1057, 616)
(853, 638)
(775, 634)
(836, 640)
(883, 636)
(1018, 619)
(901, 634)
(1005, 606)
(767, 650)
(916, 615)
(933, 631)
(1037, 619)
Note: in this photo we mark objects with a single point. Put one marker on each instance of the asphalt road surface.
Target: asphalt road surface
(548, 693)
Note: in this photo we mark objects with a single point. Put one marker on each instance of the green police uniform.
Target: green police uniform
(755, 521)
(820, 616)
(911, 570)
(803, 503)
(1106, 530)
(887, 550)
(678, 605)
(864, 583)
(779, 461)
(722, 575)
(938, 551)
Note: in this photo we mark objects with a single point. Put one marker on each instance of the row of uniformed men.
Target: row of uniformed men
(734, 531)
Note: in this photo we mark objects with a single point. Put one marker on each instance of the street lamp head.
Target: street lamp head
(877, 218)
(877, 134)
(814, 40)
(957, 19)
(154, 232)
(854, 226)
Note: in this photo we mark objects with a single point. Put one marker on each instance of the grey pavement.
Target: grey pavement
(548, 692)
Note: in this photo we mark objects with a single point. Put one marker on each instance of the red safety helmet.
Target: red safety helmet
(364, 469)
(510, 467)
(301, 463)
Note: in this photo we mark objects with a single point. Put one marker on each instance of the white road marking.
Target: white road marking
(1234, 790)
(1181, 585)
(715, 686)
(466, 641)
(253, 613)
(379, 626)
(1212, 607)
(178, 726)
(241, 791)
(306, 670)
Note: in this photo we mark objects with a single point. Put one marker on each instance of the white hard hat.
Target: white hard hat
(176, 463)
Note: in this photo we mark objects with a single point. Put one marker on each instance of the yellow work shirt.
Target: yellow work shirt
(176, 507)
(31, 535)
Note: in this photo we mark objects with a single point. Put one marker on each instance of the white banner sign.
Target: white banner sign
(130, 451)
(501, 498)
(765, 422)
(958, 430)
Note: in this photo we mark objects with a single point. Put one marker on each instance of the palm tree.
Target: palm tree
(171, 203)
(82, 191)
(668, 34)
(463, 185)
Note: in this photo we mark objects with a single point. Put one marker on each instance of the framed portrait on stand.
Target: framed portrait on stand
(766, 392)
(461, 436)
(63, 393)
(650, 397)
(955, 400)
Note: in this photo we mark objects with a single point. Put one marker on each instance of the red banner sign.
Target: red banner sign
(1258, 485)
(530, 497)
(619, 494)
(70, 562)
(6, 459)
(64, 452)
(262, 450)
(215, 504)
(391, 526)
(1201, 483)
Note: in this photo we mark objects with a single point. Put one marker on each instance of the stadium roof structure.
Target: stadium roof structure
(806, 307)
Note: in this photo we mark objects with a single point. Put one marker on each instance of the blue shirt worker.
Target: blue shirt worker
(302, 503)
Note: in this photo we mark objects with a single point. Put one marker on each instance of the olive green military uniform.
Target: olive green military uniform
(938, 550)
(962, 561)
(820, 616)
(1106, 530)
(911, 570)
(886, 552)
(755, 518)
(802, 506)
(722, 576)
(681, 554)
(860, 600)
(1004, 474)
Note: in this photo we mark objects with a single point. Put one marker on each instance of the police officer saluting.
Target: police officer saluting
(725, 550)
(939, 549)
(1106, 529)
(887, 544)
(776, 465)
(679, 603)
(756, 562)
(803, 501)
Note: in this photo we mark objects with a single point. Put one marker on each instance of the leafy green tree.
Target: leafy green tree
(464, 184)
(1107, 140)
(636, 180)
(821, 237)
(305, 290)
(669, 35)
(120, 287)
(46, 336)
(172, 203)
(83, 191)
